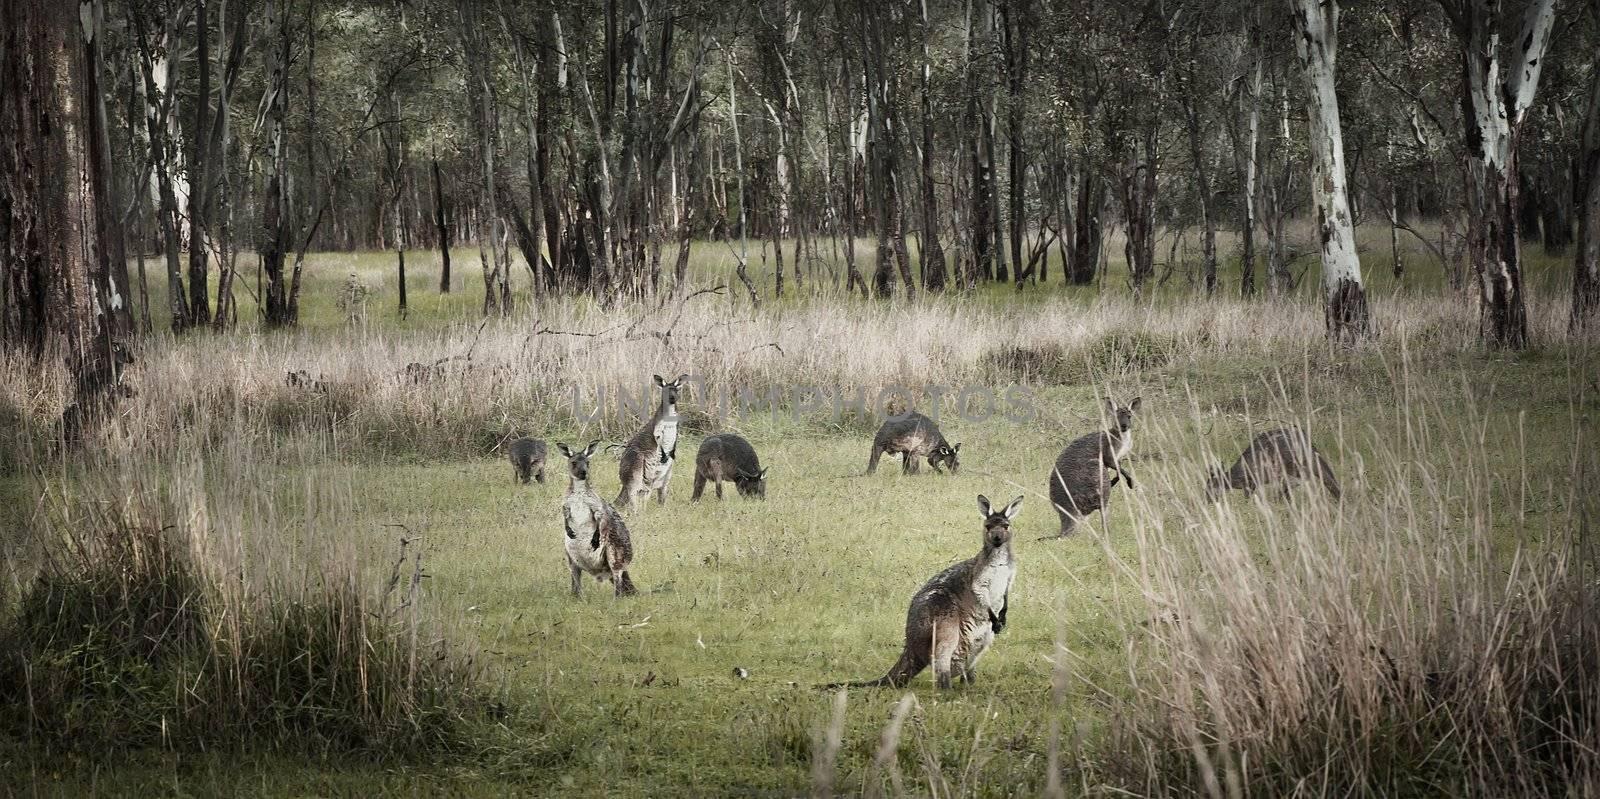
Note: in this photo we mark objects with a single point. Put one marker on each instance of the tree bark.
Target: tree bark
(1316, 27)
(1493, 109)
(55, 270)
(275, 213)
(1247, 225)
(933, 261)
(1586, 191)
(441, 223)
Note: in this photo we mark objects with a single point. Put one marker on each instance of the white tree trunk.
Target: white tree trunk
(1495, 106)
(1316, 27)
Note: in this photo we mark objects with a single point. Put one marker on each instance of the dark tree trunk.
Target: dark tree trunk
(275, 213)
(54, 219)
(1084, 258)
(441, 222)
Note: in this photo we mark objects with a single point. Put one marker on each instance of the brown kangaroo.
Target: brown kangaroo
(1282, 456)
(647, 457)
(954, 618)
(913, 436)
(1078, 485)
(597, 541)
(729, 457)
(527, 459)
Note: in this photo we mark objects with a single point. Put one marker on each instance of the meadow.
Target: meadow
(1432, 632)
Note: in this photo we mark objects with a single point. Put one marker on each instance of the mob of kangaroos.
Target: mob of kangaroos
(1078, 485)
(954, 618)
(913, 436)
(647, 457)
(1280, 456)
(597, 541)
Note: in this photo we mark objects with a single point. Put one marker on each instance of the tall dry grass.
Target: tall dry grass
(545, 369)
(201, 601)
(1435, 632)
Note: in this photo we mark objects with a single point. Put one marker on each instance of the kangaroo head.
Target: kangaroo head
(1216, 482)
(750, 484)
(1123, 413)
(669, 391)
(945, 455)
(578, 459)
(997, 524)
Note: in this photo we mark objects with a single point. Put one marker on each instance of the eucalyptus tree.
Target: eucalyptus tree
(1316, 38)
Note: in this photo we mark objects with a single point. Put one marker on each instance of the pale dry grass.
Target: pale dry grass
(544, 369)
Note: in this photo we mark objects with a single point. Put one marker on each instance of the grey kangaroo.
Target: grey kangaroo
(913, 436)
(527, 459)
(647, 457)
(1078, 485)
(1282, 456)
(729, 457)
(954, 618)
(597, 541)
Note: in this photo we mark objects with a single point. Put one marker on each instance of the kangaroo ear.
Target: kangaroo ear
(983, 506)
(563, 447)
(1134, 406)
(1111, 405)
(1011, 510)
(763, 474)
(956, 448)
(659, 382)
(593, 445)
(680, 380)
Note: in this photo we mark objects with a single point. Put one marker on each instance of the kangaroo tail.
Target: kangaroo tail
(1328, 480)
(899, 675)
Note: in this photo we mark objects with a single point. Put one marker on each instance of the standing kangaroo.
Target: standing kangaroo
(527, 459)
(913, 436)
(647, 457)
(597, 541)
(1281, 456)
(729, 457)
(954, 618)
(1078, 485)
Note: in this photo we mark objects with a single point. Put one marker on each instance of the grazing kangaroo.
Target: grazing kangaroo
(1281, 456)
(729, 457)
(597, 540)
(647, 457)
(913, 436)
(527, 459)
(954, 618)
(1078, 485)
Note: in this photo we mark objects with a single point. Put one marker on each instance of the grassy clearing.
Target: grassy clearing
(1463, 475)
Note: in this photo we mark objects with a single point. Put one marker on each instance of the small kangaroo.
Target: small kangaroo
(647, 457)
(729, 457)
(527, 459)
(1281, 456)
(1078, 485)
(913, 436)
(597, 540)
(956, 615)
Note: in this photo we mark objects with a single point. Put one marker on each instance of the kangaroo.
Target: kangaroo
(527, 459)
(647, 457)
(1078, 485)
(597, 540)
(729, 457)
(1280, 456)
(955, 616)
(913, 436)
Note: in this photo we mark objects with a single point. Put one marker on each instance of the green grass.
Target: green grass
(638, 697)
